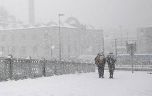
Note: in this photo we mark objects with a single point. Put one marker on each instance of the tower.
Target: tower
(31, 12)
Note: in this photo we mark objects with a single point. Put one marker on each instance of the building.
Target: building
(118, 45)
(144, 40)
(43, 42)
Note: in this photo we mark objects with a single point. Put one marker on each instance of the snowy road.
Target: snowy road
(86, 84)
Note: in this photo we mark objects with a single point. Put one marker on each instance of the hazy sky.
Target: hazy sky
(99, 13)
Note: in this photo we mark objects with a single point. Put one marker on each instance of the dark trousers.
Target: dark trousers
(111, 73)
(101, 71)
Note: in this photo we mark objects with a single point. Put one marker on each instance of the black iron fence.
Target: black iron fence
(14, 69)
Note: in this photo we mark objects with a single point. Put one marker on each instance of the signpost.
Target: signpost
(131, 49)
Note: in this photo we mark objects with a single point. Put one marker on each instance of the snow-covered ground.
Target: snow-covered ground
(86, 84)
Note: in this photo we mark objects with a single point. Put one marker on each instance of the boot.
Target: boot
(99, 76)
(110, 76)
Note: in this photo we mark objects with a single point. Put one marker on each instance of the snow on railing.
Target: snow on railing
(19, 68)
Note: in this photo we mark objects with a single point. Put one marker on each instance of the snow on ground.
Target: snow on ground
(86, 84)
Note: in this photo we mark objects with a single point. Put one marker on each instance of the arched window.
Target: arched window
(3, 37)
(12, 37)
(2, 51)
(23, 36)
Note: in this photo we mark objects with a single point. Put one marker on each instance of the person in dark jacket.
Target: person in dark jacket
(111, 63)
(100, 61)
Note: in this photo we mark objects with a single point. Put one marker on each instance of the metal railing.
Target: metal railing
(15, 69)
(139, 63)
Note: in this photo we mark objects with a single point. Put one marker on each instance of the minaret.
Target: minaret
(31, 12)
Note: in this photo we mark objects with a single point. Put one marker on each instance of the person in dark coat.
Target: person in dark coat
(111, 63)
(100, 61)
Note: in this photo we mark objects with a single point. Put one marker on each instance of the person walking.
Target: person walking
(111, 63)
(100, 61)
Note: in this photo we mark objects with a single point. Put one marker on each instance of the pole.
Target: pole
(116, 47)
(51, 52)
(103, 43)
(44, 67)
(121, 38)
(132, 64)
(59, 40)
(132, 55)
(10, 68)
(60, 55)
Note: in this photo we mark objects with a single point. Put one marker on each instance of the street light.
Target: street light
(116, 47)
(103, 45)
(59, 15)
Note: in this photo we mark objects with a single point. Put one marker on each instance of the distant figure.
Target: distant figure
(111, 63)
(100, 61)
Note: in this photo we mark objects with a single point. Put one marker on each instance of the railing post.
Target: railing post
(44, 67)
(10, 70)
(55, 67)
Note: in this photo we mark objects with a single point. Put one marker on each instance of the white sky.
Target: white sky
(99, 13)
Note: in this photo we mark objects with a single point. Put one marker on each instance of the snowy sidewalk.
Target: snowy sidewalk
(86, 84)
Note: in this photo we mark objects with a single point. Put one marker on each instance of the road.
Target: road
(85, 84)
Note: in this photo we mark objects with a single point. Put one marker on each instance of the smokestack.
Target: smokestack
(31, 12)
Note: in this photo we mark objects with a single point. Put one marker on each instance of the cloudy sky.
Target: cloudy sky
(99, 13)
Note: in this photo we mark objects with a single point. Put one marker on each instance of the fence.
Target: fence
(140, 62)
(15, 69)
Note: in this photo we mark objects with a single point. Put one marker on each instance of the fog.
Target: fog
(105, 14)
(43, 38)
(119, 19)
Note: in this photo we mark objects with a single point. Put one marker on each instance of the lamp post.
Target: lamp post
(59, 15)
(116, 47)
(103, 45)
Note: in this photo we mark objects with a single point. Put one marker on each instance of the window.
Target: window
(23, 37)
(3, 37)
(34, 36)
(23, 51)
(35, 50)
(2, 51)
(13, 49)
(12, 37)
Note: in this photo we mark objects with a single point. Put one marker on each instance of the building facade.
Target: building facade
(43, 42)
(144, 40)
